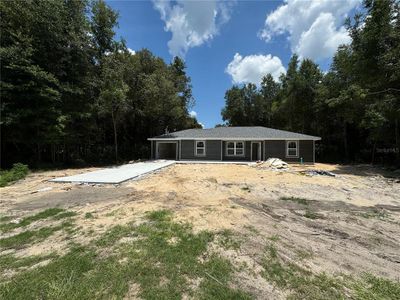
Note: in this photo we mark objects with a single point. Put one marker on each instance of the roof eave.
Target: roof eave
(233, 139)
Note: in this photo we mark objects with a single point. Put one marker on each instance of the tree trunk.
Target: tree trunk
(115, 136)
(346, 150)
(397, 139)
(373, 153)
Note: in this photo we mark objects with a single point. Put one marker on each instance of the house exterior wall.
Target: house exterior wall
(213, 150)
(269, 148)
(277, 148)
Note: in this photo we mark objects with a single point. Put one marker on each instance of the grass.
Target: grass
(89, 215)
(301, 201)
(5, 218)
(17, 172)
(309, 214)
(31, 236)
(372, 287)
(63, 215)
(167, 260)
(229, 240)
(274, 238)
(303, 284)
(56, 213)
(11, 262)
(161, 256)
(375, 213)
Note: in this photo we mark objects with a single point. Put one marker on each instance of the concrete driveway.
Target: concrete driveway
(117, 174)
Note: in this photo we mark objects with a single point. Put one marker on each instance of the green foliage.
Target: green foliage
(68, 86)
(18, 171)
(354, 107)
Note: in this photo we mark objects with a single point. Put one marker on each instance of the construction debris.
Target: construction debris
(317, 172)
(275, 163)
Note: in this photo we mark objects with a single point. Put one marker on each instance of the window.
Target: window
(200, 148)
(292, 149)
(235, 149)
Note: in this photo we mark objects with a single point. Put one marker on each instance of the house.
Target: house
(234, 144)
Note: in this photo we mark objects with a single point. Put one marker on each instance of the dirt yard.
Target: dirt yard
(274, 223)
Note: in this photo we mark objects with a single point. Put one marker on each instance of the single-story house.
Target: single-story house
(234, 144)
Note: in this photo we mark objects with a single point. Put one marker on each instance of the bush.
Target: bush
(18, 171)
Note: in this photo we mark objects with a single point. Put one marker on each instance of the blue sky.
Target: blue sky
(226, 42)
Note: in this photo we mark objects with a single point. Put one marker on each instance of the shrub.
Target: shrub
(18, 171)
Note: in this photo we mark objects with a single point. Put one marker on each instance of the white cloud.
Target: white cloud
(201, 124)
(253, 67)
(192, 23)
(131, 51)
(193, 114)
(315, 28)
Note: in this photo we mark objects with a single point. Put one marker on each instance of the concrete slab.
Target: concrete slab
(117, 174)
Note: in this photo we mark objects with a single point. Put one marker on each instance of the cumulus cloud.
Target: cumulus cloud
(193, 114)
(252, 68)
(131, 51)
(315, 28)
(192, 23)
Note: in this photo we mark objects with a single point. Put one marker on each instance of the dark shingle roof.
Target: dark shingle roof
(250, 132)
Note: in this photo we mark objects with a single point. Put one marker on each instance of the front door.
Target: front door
(255, 151)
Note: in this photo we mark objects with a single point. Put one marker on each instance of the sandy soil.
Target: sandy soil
(357, 229)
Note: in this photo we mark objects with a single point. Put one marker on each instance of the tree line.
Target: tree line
(354, 107)
(72, 93)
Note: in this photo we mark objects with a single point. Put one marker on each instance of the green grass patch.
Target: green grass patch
(5, 219)
(274, 238)
(303, 284)
(309, 214)
(63, 215)
(215, 285)
(17, 172)
(50, 212)
(301, 201)
(161, 256)
(89, 215)
(11, 262)
(372, 287)
(31, 236)
(375, 214)
(229, 239)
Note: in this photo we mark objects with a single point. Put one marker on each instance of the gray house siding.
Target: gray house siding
(269, 148)
(213, 150)
(277, 148)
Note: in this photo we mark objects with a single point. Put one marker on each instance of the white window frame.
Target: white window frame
(196, 148)
(297, 148)
(234, 148)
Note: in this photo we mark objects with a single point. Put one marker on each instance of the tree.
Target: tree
(269, 92)
(113, 92)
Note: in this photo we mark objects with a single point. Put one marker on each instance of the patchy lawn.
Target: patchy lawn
(203, 232)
